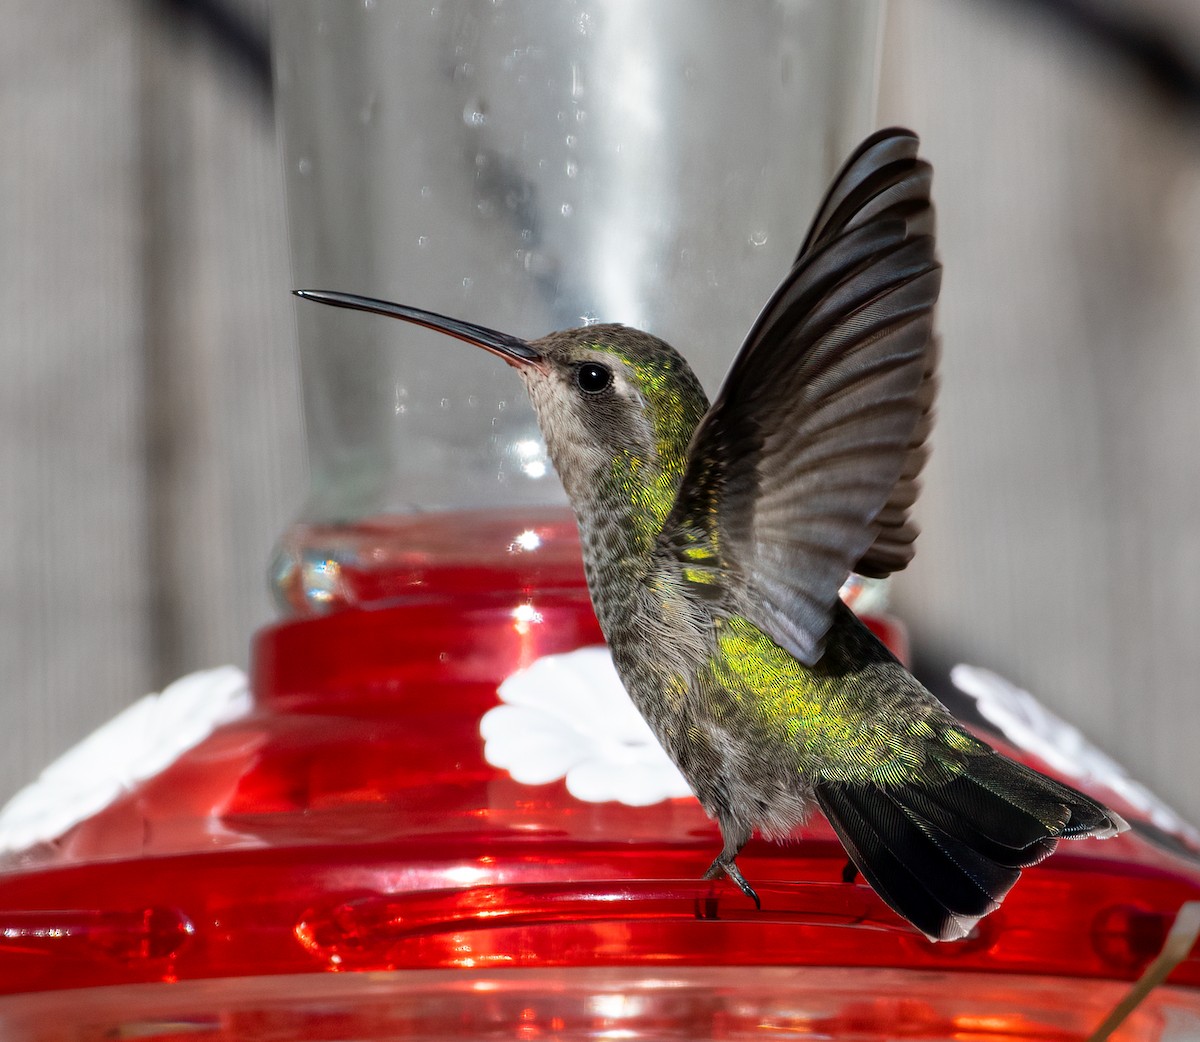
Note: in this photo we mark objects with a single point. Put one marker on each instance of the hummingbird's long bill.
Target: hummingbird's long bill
(512, 349)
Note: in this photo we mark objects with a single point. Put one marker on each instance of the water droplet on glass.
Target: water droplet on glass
(444, 403)
(571, 139)
(572, 168)
(536, 263)
(758, 238)
(584, 23)
(369, 4)
(422, 240)
(304, 166)
(426, 191)
(467, 282)
(474, 113)
(567, 209)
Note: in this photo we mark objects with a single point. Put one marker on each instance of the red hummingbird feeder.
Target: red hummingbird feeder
(345, 862)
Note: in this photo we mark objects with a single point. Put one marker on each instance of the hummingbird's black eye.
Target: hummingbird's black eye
(592, 377)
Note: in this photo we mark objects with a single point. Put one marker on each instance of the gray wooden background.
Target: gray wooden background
(150, 436)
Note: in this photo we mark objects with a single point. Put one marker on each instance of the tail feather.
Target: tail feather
(944, 853)
(1023, 797)
(922, 879)
(1006, 802)
(888, 875)
(1005, 854)
(996, 826)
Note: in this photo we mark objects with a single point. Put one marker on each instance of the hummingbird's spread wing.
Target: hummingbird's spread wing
(805, 466)
(884, 175)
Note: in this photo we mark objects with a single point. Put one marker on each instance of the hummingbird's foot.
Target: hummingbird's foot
(849, 872)
(722, 867)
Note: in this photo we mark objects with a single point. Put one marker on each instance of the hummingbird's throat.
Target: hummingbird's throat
(643, 492)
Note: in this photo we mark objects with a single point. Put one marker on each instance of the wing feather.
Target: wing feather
(806, 465)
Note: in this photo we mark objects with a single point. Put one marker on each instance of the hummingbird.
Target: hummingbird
(715, 539)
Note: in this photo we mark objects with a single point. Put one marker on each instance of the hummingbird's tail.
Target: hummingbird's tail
(943, 853)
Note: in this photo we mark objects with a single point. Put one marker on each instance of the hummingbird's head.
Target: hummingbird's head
(609, 398)
(616, 406)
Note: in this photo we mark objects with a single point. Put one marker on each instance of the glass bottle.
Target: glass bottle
(530, 167)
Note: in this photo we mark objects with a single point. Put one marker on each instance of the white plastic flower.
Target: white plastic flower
(136, 744)
(569, 716)
(1029, 725)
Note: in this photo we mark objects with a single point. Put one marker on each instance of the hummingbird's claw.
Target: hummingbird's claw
(849, 872)
(721, 867)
